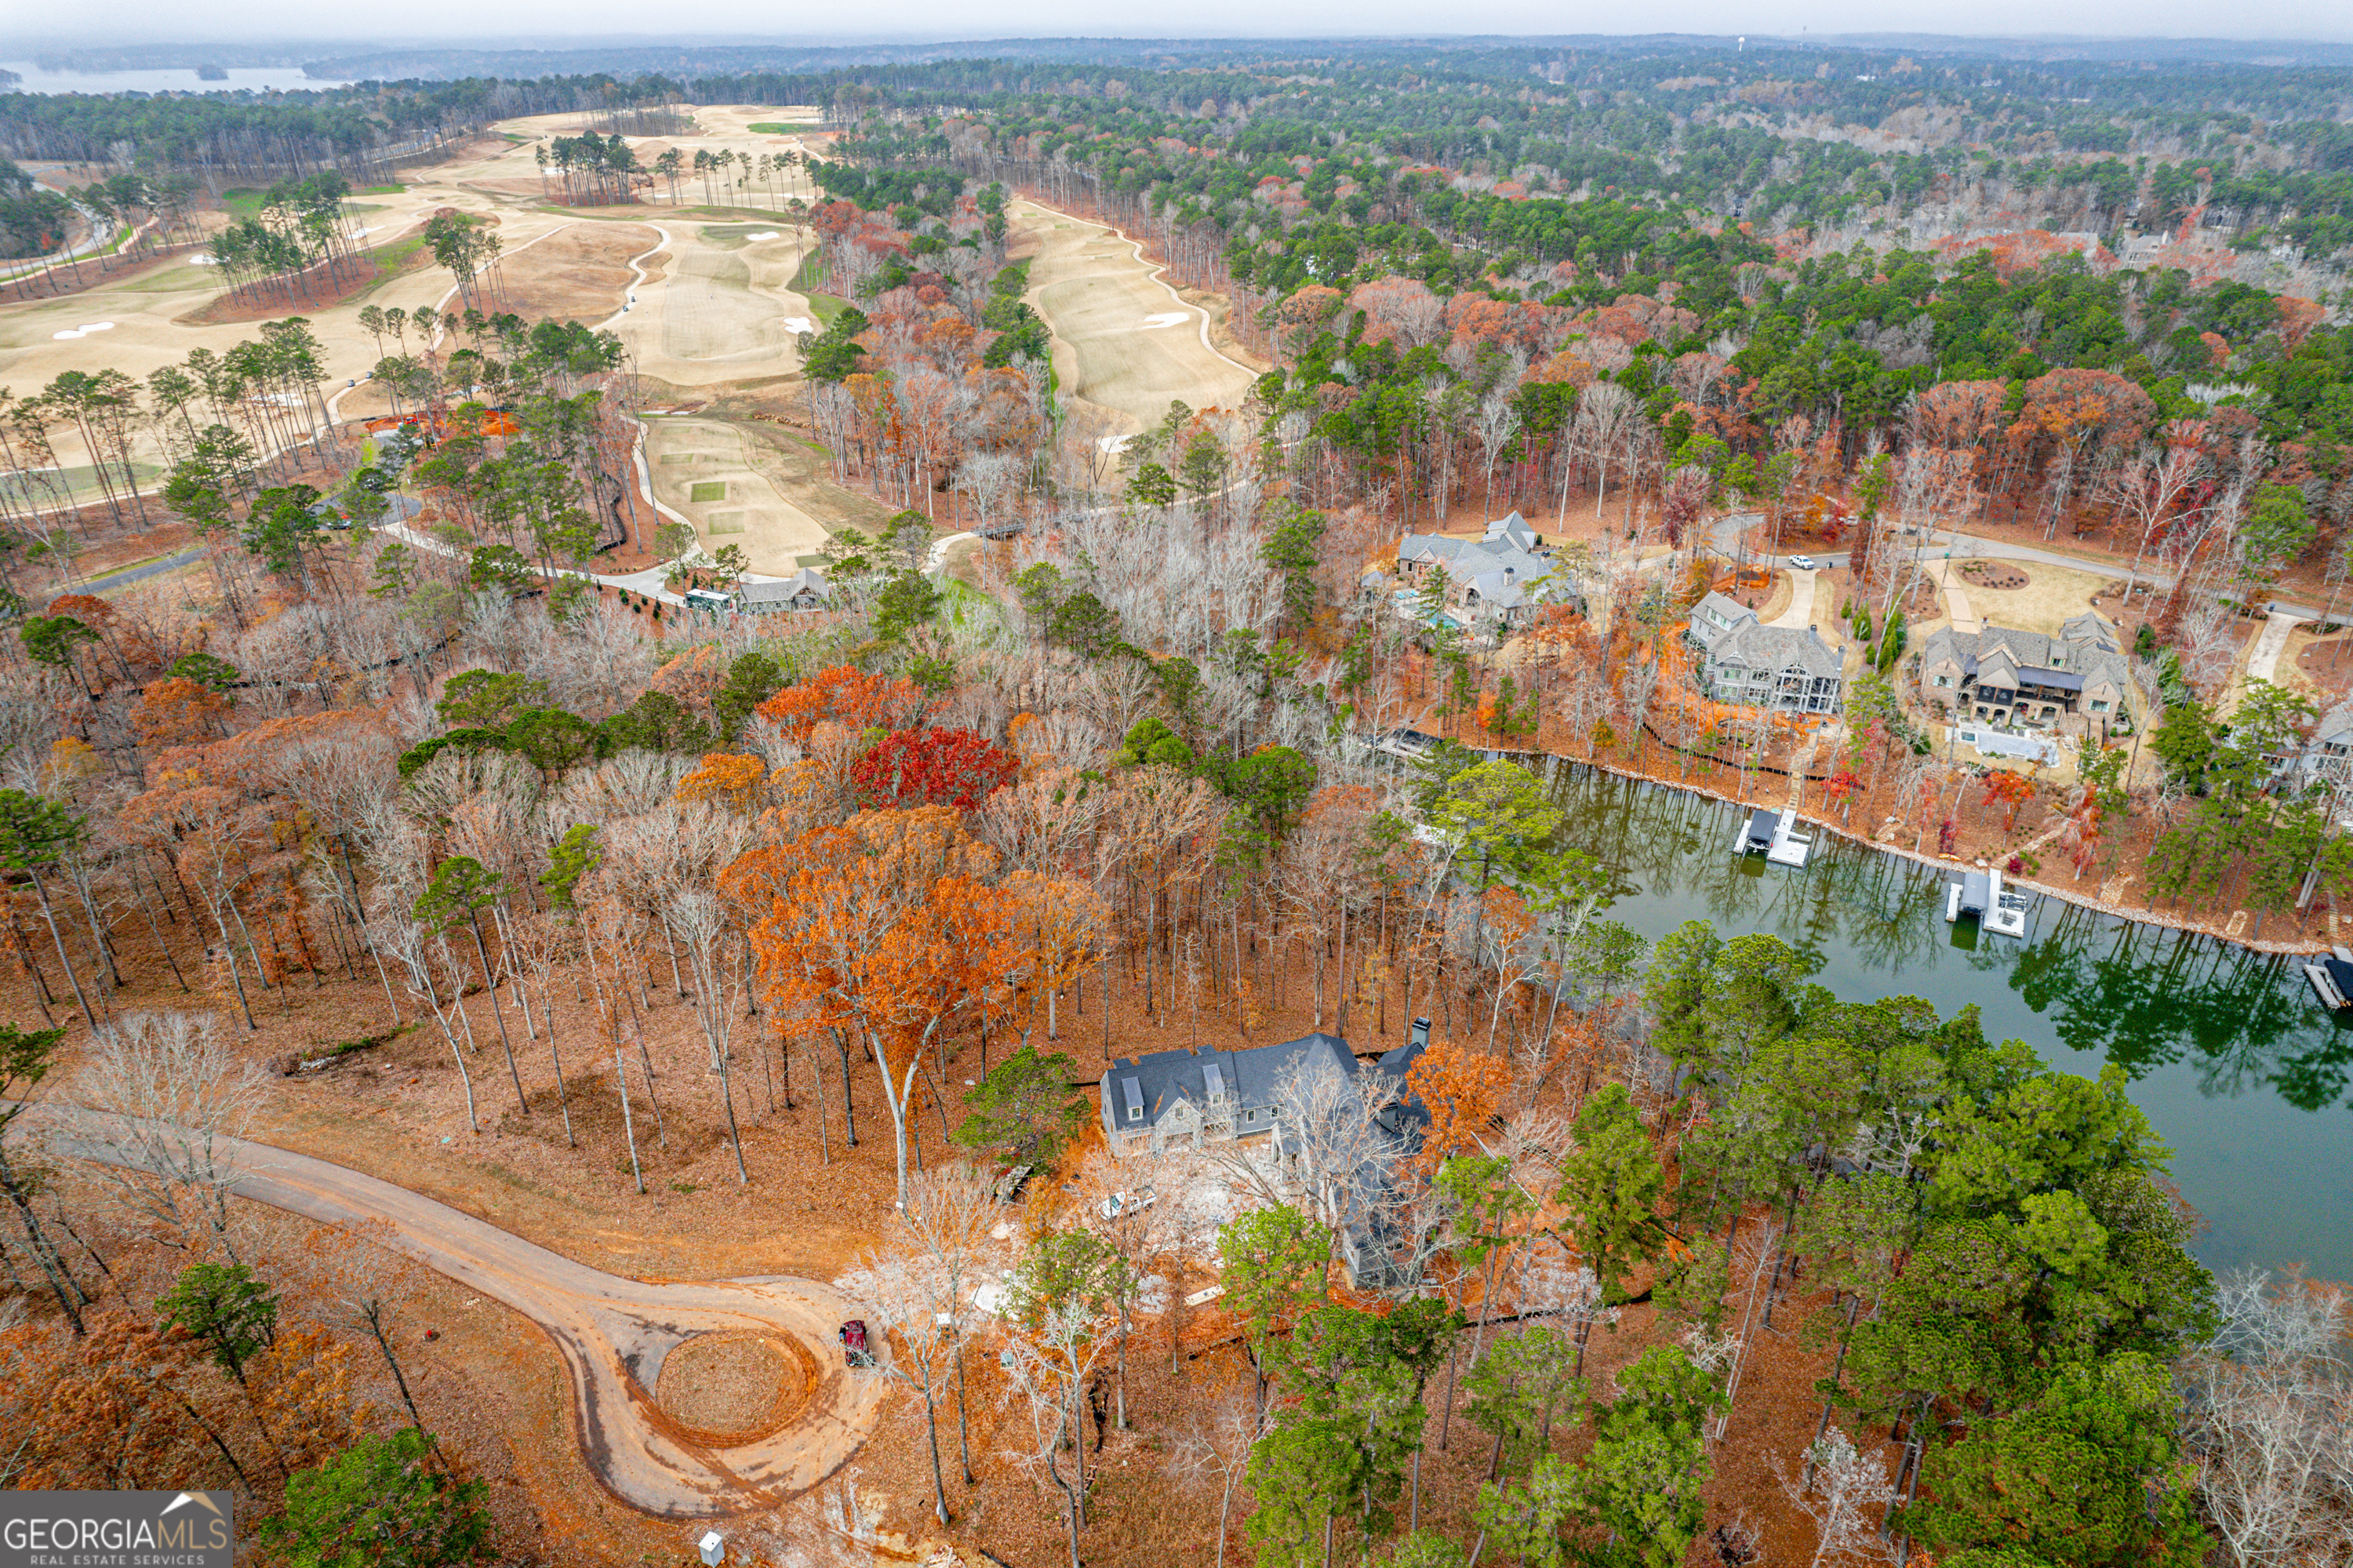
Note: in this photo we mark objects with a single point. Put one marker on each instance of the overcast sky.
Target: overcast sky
(119, 21)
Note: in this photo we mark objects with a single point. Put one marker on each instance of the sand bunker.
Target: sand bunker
(82, 331)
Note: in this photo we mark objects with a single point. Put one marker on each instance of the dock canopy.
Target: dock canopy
(1761, 823)
(1977, 893)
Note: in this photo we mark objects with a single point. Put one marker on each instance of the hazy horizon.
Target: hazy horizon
(556, 25)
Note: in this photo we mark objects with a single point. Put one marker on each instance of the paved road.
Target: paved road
(1726, 538)
(611, 1331)
(124, 576)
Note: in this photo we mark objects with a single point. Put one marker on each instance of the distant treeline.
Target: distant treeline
(1771, 130)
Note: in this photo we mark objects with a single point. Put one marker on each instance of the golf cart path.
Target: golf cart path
(611, 1331)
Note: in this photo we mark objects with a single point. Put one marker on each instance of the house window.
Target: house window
(1944, 679)
(2099, 704)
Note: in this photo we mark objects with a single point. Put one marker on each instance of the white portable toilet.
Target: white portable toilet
(714, 1548)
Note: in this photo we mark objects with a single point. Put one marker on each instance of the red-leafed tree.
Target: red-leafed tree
(912, 768)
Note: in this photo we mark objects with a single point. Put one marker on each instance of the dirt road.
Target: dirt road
(613, 1332)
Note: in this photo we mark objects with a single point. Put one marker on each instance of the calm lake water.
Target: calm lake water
(260, 79)
(2242, 1072)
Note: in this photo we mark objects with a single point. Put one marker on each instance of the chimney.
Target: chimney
(1421, 1031)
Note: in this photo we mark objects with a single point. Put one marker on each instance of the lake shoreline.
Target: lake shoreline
(2134, 913)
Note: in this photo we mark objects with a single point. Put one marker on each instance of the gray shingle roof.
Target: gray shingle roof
(1500, 568)
(808, 579)
(2085, 651)
(1154, 1083)
(1755, 647)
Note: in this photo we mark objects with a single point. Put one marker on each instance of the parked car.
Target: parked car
(853, 1343)
(1802, 564)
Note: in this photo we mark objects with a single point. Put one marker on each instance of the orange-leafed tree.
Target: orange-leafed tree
(736, 782)
(846, 696)
(1063, 928)
(176, 712)
(2004, 788)
(694, 677)
(866, 931)
(1461, 1089)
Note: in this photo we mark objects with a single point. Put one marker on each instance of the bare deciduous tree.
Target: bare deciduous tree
(2271, 1420)
(1216, 1449)
(1048, 1369)
(181, 1100)
(1844, 1493)
(911, 1304)
(949, 1212)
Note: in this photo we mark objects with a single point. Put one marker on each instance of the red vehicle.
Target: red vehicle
(853, 1343)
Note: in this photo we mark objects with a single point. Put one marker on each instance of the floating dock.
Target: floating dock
(1999, 911)
(1773, 834)
(2332, 980)
(2008, 915)
(1789, 846)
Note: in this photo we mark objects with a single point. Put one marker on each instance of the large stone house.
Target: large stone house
(1493, 577)
(2026, 680)
(1743, 662)
(1186, 1099)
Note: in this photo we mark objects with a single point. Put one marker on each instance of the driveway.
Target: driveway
(612, 1331)
(1800, 612)
(2272, 641)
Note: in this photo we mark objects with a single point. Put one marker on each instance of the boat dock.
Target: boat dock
(1773, 834)
(1999, 910)
(2332, 979)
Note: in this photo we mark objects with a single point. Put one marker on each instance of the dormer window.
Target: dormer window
(1215, 1077)
(1134, 1095)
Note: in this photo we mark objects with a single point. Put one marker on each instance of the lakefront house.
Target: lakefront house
(2074, 682)
(1787, 669)
(1494, 577)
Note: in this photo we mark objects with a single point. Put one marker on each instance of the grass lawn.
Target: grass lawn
(708, 490)
(805, 281)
